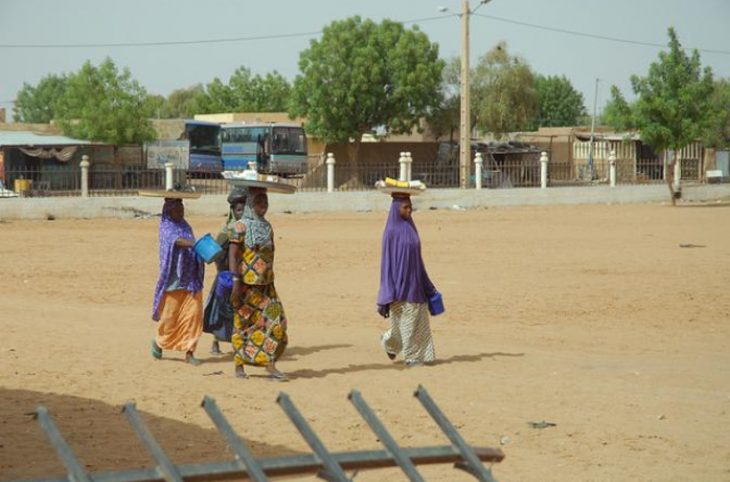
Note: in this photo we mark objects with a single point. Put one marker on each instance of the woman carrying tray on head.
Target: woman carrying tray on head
(405, 287)
(259, 334)
(218, 312)
(178, 300)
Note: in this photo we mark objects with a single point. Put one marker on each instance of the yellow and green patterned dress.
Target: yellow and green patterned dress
(259, 323)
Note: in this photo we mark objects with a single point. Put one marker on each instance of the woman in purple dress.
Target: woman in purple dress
(178, 301)
(405, 288)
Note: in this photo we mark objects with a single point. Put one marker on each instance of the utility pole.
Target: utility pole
(593, 130)
(465, 124)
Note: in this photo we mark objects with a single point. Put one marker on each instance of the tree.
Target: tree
(360, 76)
(104, 105)
(559, 104)
(259, 94)
(504, 91)
(184, 103)
(718, 132)
(673, 106)
(444, 118)
(618, 113)
(38, 104)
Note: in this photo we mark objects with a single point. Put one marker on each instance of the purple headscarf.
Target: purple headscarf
(189, 270)
(403, 276)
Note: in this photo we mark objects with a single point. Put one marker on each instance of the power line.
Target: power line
(311, 34)
(596, 36)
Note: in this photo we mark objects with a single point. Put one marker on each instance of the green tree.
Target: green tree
(445, 117)
(185, 103)
(104, 105)
(559, 104)
(718, 132)
(673, 106)
(618, 113)
(360, 76)
(503, 88)
(269, 93)
(38, 104)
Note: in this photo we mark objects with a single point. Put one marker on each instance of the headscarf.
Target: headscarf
(403, 275)
(237, 195)
(258, 229)
(189, 268)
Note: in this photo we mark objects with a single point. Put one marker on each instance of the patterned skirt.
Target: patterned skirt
(259, 326)
(410, 332)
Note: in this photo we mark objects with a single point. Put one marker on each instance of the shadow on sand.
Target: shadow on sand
(306, 373)
(100, 436)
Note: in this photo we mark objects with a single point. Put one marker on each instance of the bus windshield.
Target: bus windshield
(289, 140)
(203, 138)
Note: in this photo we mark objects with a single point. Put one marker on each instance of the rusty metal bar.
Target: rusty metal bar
(167, 469)
(473, 464)
(253, 468)
(295, 465)
(75, 470)
(332, 470)
(388, 441)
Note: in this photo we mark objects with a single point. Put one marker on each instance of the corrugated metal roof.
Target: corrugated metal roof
(27, 138)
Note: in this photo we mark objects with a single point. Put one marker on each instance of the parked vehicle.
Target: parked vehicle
(276, 148)
(196, 148)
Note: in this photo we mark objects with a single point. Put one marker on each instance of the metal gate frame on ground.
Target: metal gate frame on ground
(330, 466)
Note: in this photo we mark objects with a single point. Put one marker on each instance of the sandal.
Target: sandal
(189, 358)
(156, 350)
(240, 373)
(276, 375)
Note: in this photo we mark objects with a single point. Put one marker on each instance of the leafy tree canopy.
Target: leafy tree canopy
(245, 92)
(559, 104)
(718, 132)
(184, 103)
(361, 75)
(674, 100)
(503, 87)
(38, 104)
(102, 104)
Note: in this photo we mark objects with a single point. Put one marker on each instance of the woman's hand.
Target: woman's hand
(184, 242)
(384, 310)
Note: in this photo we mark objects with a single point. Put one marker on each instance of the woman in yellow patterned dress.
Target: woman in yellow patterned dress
(259, 323)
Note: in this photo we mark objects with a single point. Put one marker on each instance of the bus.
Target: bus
(190, 144)
(276, 148)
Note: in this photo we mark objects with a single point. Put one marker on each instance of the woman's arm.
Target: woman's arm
(184, 242)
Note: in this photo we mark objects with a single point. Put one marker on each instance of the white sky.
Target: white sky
(702, 24)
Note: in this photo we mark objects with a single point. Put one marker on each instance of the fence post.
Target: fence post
(84, 164)
(543, 170)
(478, 162)
(612, 168)
(330, 172)
(409, 163)
(403, 168)
(169, 182)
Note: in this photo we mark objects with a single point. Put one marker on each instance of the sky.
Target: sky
(557, 37)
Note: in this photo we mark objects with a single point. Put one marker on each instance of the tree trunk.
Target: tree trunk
(353, 151)
(669, 175)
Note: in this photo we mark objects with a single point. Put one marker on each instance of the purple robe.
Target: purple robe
(403, 276)
(189, 269)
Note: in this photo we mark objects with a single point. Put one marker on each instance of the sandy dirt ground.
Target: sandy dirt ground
(599, 319)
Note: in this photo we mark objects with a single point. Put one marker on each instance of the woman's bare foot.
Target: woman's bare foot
(240, 372)
(216, 348)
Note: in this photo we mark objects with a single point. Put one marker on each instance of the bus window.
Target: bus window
(289, 140)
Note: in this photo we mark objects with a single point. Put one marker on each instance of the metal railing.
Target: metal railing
(330, 466)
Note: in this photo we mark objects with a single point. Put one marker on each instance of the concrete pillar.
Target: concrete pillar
(409, 163)
(543, 170)
(403, 169)
(84, 164)
(612, 168)
(169, 181)
(330, 172)
(478, 163)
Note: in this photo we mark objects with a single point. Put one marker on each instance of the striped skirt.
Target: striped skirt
(410, 332)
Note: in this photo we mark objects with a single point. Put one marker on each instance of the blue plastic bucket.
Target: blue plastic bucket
(436, 304)
(224, 284)
(207, 248)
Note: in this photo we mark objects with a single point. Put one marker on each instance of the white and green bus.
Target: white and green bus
(276, 148)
